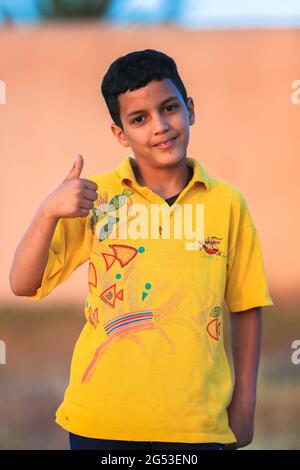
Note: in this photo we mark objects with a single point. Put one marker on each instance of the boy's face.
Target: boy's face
(156, 121)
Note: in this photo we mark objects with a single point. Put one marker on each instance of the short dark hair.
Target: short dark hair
(135, 70)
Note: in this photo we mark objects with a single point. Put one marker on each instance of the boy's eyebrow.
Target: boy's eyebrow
(144, 110)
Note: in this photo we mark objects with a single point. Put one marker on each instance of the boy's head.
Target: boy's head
(142, 81)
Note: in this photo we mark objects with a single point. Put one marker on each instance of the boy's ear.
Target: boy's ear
(119, 134)
(191, 110)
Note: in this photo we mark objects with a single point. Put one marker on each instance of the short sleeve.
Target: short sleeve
(70, 247)
(246, 282)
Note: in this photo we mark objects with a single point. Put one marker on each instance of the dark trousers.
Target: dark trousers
(87, 443)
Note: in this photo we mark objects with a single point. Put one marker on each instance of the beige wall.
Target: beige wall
(247, 128)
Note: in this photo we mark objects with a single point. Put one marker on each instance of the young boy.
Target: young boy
(149, 367)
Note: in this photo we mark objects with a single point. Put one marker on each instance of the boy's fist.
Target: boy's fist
(74, 197)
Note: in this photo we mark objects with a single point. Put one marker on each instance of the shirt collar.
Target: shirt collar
(126, 173)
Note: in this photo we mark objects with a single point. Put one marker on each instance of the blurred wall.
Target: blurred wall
(246, 130)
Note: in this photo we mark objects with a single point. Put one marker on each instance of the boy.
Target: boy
(149, 366)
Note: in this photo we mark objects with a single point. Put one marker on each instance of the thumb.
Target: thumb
(77, 168)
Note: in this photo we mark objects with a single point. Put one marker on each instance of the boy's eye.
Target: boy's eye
(141, 116)
(135, 119)
(171, 106)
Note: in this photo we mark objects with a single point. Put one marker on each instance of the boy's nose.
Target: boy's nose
(160, 125)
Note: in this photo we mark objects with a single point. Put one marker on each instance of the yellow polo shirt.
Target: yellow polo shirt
(150, 364)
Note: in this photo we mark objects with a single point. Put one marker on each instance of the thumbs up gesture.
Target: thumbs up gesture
(74, 197)
(76, 168)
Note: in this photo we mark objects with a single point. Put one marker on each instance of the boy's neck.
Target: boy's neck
(165, 182)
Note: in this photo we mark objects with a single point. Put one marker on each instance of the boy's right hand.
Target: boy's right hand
(73, 197)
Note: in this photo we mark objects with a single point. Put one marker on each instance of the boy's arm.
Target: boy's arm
(246, 331)
(31, 255)
(73, 198)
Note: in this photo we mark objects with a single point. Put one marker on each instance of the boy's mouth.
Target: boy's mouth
(166, 143)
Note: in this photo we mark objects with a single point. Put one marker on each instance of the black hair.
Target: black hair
(135, 70)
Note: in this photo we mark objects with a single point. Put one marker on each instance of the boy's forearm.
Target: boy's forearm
(246, 332)
(31, 255)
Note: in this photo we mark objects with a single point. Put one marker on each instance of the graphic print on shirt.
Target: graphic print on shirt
(126, 324)
(148, 287)
(121, 253)
(111, 294)
(120, 256)
(103, 212)
(124, 254)
(214, 326)
(204, 322)
(92, 276)
(93, 317)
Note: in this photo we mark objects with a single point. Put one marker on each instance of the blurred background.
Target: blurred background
(240, 61)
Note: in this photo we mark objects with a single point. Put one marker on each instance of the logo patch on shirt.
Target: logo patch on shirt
(209, 247)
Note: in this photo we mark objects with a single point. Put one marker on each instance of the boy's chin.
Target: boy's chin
(166, 159)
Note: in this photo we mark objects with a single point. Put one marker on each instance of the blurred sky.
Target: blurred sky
(187, 13)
